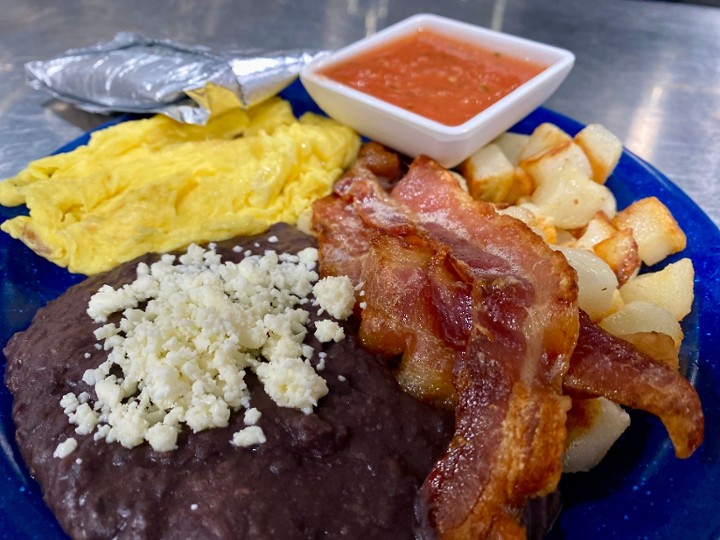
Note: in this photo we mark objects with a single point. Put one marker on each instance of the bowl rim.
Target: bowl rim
(559, 67)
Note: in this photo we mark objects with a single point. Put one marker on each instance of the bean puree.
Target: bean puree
(351, 469)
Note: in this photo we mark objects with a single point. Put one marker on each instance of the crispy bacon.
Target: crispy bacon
(343, 237)
(510, 416)
(485, 317)
(413, 281)
(402, 315)
(603, 365)
(498, 247)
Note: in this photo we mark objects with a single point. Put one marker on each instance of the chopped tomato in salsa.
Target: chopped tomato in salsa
(435, 76)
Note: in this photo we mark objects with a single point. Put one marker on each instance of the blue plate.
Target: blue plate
(639, 491)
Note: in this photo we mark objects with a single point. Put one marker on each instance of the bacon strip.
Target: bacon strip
(484, 315)
(401, 276)
(510, 416)
(403, 316)
(495, 245)
(493, 465)
(603, 365)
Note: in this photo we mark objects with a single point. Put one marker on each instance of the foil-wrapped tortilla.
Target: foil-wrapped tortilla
(133, 73)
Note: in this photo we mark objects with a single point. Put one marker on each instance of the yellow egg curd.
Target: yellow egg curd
(156, 185)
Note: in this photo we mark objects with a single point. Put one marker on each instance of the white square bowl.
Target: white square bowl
(413, 134)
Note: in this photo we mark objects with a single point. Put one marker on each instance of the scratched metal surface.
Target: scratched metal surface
(647, 70)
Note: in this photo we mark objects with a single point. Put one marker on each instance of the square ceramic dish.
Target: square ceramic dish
(413, 134)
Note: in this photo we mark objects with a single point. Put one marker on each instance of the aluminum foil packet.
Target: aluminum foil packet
(137, 74)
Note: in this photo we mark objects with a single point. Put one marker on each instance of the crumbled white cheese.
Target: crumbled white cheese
(291, 382)
(251, 416)
(327, 330)
(190, 327)
(65, 448)
(69, 402)
(335, 294)
(194, 506)
(162, 437)
(322, 355)
(85, 418)
(342, 378)
(248, 436)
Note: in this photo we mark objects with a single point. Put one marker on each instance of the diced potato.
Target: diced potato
(462, 182)
(609, 207)
(545, 164)
(564, 238)
(512, 145)
(522, 186)
(654, 228)
(569, 198)
(597, 230)
(541, 223)
(642, 316)
(656, 345)
(670, 288)
(593, 427)
(596, 281)
(544, 137)
(528, 214)
(518, 212)
(616, 304)
(602, 148)
(489, 174)
(621, 253)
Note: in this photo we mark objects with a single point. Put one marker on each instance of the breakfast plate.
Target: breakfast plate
(640, 490)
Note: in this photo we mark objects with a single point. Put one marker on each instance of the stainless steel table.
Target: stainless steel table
(646, 70)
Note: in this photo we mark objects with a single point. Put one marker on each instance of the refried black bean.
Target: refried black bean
(351, 469)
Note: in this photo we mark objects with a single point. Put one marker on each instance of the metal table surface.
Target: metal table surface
(646, 70)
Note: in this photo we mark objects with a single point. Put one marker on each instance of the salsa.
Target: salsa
(434, 75)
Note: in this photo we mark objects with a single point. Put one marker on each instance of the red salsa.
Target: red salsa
(434, 75)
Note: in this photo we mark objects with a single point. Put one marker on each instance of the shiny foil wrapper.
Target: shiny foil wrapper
(136, 74)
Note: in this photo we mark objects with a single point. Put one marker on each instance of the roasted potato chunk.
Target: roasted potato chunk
(489, 174)
(654, 228)
(596, 281)
(593, 427)
(656, 345)
(545, 164)
(670, 288)
(512, 145)
(570, 199)
(543, 138)
(602, 148)
(642, 316)
(620, 251)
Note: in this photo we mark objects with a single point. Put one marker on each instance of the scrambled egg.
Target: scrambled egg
(155, 185)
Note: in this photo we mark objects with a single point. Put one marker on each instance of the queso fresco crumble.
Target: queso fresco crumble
(190, 327)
